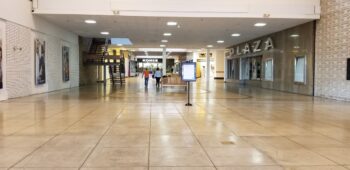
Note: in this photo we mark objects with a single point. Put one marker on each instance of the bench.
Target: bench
(173, 80)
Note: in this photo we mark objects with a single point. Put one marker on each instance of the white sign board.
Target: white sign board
(189, 71)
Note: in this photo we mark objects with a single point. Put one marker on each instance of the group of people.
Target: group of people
(157, 75)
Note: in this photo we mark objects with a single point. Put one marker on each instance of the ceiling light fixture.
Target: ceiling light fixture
(236, 35)
(220, 41)
(210, 46)
(164, 41)
(294, 35)
(105, 33)
(162, 45)
(119, 45)
(260, 24)
(171, 23)
(90, 21)
(167, 34)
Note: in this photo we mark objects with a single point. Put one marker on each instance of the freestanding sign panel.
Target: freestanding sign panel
(189, 72)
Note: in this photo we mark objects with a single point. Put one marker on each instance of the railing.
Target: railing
(100, 59)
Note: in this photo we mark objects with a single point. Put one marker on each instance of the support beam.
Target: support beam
(207, 76)
(164, 61)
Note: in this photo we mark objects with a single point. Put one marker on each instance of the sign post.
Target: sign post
(188, 74)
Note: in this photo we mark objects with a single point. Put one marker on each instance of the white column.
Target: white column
(164, 61)
(225, 68)
(208, 68)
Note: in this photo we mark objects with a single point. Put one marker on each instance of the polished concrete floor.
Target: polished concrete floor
(131, 127)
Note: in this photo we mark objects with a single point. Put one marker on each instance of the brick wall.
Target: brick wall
(332, 50)
(20, 63)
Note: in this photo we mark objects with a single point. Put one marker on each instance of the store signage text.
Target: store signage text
(256, 46)
(149, 60)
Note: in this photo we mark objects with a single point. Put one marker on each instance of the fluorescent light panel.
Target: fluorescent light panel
(167, 34)
(236, 35)
(171, 23)
(90, 21)
(260, 24)
(105, 33)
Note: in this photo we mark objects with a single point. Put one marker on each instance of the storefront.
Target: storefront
(149, 63)
(281, 61)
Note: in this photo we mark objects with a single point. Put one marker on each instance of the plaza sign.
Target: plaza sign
(254, 47)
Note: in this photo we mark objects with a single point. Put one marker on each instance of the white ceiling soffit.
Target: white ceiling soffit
(194, 33)
(297, 9)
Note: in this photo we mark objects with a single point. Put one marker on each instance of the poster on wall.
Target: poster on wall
(40, 54)
(65, 63)
(1, 83)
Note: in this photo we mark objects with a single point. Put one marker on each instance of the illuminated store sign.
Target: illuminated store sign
(254, 47)
(149, 60)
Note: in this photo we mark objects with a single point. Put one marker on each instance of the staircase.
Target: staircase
(116, 74)
(97, 55)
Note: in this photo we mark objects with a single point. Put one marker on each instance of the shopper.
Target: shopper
(146, 75)
(158, 76)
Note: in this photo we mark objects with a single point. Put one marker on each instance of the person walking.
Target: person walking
(146, 75)
(158, 76)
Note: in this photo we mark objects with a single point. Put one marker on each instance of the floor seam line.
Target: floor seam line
(100, 139)
(50, 140)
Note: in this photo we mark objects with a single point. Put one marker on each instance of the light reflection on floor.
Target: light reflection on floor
(131, 127)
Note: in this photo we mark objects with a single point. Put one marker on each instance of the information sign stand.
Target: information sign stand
(188, 94)
(188, 74)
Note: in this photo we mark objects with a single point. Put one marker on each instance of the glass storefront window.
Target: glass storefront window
(269, 70)
(251, 68)
(300, 69)
(233, 69)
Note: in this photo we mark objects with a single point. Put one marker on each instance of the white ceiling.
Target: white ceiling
(194, 33)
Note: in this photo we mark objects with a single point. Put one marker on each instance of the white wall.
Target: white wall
(19, 29)
(309, 9)
(219, 63)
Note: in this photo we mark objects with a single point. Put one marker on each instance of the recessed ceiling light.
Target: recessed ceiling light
(171, 23)
(119, 45)
(294, 35)
(90, 21)
(235, 35)
(210, 46)
(167, 34)
(162, 45)
(164, 41)
(260, 24)
(220, 41)
(105, 33)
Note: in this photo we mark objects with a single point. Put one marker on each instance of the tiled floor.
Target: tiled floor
(228, 128)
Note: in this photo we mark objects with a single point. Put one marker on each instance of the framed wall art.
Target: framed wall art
(65, 63)
(40, 65)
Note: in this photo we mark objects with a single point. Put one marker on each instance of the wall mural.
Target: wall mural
(40, 55)
(1, 83)
(65, 63)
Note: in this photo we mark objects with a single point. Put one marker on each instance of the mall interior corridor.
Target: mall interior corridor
(130, 127)
(269, 85)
